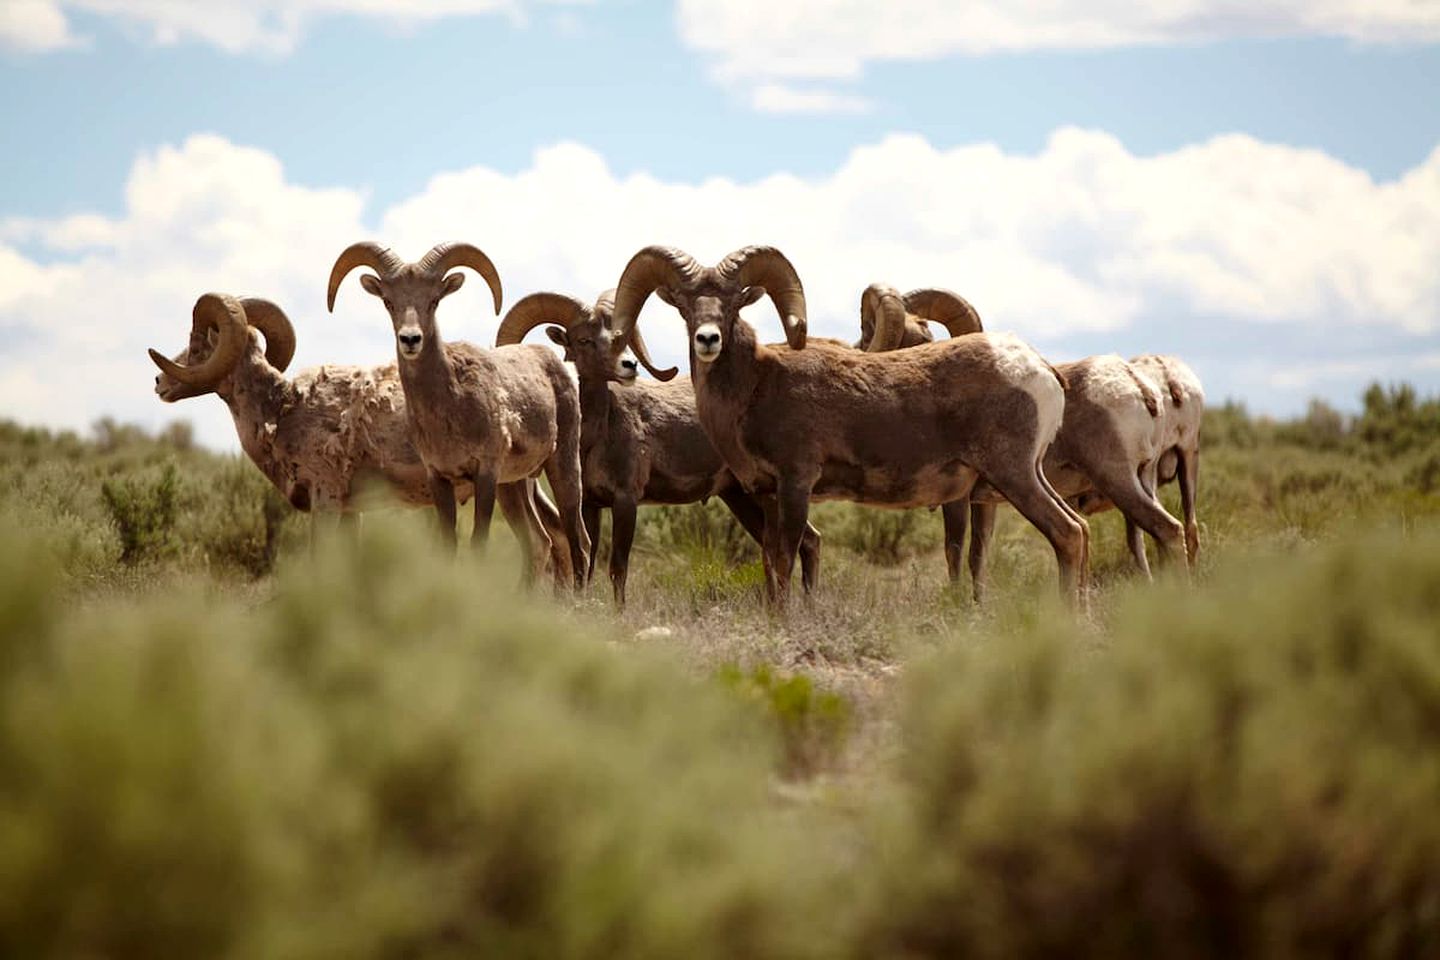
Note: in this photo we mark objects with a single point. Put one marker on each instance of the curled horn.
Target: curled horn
(275, 327)
(605, 310)
(366, 253)
(537, 310)
(228, 317)
(769, 268)
(944, 307)
(444, 257)
(649, 269)
(882, 302)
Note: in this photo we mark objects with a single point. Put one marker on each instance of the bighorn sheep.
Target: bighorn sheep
(1108, 440)
(318, 437)
(900, 429)
(640, 441)
(1179, 446)
(494, 418)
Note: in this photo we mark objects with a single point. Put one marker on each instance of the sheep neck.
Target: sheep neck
(257, 395)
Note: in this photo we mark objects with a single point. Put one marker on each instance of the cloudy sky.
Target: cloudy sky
(1252, 185)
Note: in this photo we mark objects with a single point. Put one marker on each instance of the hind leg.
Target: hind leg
(521, 515)
(554, 530)
(563, 472)
(956, 515)
(590, 516)
(1134, 495)
(982, 530)
(1030, 493)
(1076, 518)
(1188, 471)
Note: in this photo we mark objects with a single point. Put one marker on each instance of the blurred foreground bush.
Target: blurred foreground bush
(1248, 770)
(388, 758)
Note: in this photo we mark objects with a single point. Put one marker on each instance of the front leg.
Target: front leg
(622, 535)
(484, 507)
(442, 493)
(793, 516)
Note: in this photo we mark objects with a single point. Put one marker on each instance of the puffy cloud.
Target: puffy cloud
(273, 26)
(1083, 246)
(34, 25)
(835, 38)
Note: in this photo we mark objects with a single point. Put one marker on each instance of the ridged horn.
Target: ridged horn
(605, 310)
(649, 269)
(444, 257)
(275, 327)
(366, 253)
(769, 268)
(944, 307)
(537, 310)
(228, 317)
(882, 310)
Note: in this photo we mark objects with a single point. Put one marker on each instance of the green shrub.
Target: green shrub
(143, 511)
(390, 758)
(1249, 771)
(812, 723)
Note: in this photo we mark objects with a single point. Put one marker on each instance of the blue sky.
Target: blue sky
(368, 111)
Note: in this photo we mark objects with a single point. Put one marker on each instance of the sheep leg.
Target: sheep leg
(442, 493)
(793, 516)
(982, 530)
(1135, 540)
(484, 508)
(564, 475)
(622, 535)
(520, 513)
(956, 515)
(1030, 493)
(1074, 516)
(770, 547)
(590, 515)
(752, 519)
(554, 532)
(1135, 498)
(1188, 472)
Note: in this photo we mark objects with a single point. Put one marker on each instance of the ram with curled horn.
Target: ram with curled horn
(906, 428)
(493, 419)
(1106, 441)
(640, 441)
(1182, 408)
(320, 437)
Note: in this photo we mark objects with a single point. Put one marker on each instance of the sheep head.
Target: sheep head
(412, 292)
(889, 321)
(585, 333)
(219, 339)
(710, 298)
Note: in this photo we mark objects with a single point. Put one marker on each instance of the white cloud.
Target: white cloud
(757, 39)
(35, 25)
(271, 26)
(781, 98)
(1083, 236)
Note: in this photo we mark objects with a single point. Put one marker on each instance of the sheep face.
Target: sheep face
(202, 345)
(411, 298)
(710, 312)
(597, 352)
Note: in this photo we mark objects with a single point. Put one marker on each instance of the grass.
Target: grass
(216, 743)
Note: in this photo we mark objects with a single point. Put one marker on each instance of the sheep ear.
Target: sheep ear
(557, 336)
(452, 283)
(371, 283)
(750, 295)
(664, 294)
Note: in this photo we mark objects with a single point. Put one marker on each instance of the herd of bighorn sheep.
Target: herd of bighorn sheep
(898, 419)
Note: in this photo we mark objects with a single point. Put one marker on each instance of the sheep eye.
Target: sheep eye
(585, 342)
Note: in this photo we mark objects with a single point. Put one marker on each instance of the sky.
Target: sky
(1254, 187)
